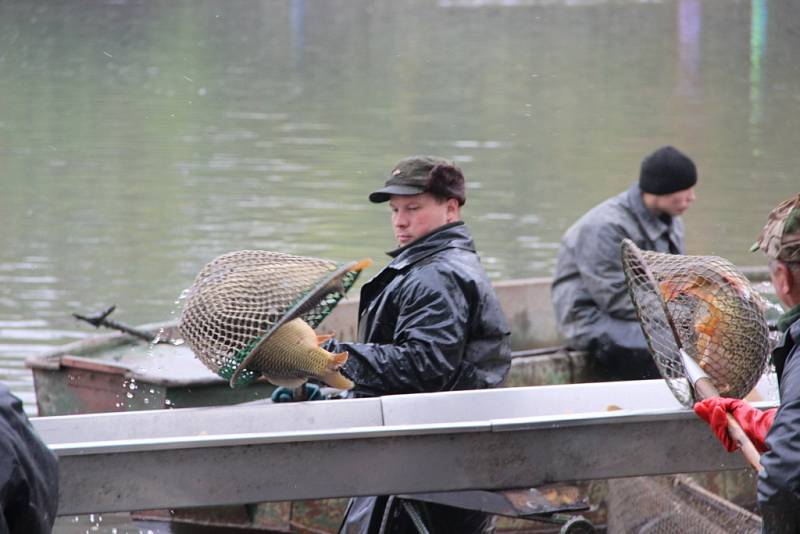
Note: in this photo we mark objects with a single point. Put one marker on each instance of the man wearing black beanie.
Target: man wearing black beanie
(590, 297)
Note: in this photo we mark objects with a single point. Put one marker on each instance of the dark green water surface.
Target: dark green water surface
(140, 139)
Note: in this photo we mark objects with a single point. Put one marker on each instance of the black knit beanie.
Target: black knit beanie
(666, 171)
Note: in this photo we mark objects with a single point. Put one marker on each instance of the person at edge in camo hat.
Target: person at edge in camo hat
(774, 432)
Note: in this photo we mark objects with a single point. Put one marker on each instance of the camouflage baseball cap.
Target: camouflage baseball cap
(780, 238)
(409, 177)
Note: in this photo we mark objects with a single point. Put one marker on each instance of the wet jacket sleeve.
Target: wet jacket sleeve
(29, 471)
(779, 482)
(429, 338)
(597, 251)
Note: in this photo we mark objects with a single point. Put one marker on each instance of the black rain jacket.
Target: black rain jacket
(430, 321)
(779, 481)
(28, 471)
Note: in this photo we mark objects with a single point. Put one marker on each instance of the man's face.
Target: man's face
(675, 203)
(416, 215)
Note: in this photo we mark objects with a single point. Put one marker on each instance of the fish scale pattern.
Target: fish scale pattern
(240, 298)
(717, 315)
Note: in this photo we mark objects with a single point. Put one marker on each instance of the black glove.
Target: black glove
(284, 394)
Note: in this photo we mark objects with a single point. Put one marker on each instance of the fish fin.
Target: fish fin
(286, 382)
(361, 265)
(336, 380)
(671, 289)
(338, 360)
(323, 338)
(668, 290)
(708, 325)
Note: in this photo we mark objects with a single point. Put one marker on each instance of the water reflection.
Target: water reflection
(690, 25)
(758, 44)
(141, 139)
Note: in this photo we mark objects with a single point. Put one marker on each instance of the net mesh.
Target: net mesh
(239, 299)
(718, 319)
(673, 505)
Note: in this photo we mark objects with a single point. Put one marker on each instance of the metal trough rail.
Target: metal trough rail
(489, 439)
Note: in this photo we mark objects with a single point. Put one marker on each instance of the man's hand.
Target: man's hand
(755, 423)
(284, 394)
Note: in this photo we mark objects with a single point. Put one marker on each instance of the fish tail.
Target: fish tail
(335, 379)
(323, 338)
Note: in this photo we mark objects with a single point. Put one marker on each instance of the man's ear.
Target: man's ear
(782, 279)
(453, 210)
(792, 277)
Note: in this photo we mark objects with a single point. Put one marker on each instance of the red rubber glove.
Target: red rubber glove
(755, 423)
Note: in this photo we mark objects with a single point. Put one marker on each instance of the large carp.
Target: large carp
(727, 332)
(292, 355)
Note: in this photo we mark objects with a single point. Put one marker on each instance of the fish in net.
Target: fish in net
(705, 306)
(240, 299)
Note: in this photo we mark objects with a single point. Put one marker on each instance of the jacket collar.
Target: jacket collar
(452, 235)
(789, 318)
(789, 340)
(653, 226)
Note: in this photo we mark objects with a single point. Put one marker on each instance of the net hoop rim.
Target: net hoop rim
(629, 248)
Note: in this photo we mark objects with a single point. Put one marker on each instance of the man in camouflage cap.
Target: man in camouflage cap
(775, 432)
(780, 238)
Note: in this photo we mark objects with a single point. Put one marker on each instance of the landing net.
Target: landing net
(239, 299)
(705, 305)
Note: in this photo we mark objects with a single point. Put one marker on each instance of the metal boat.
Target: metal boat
(119, 372)
(209, 449)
